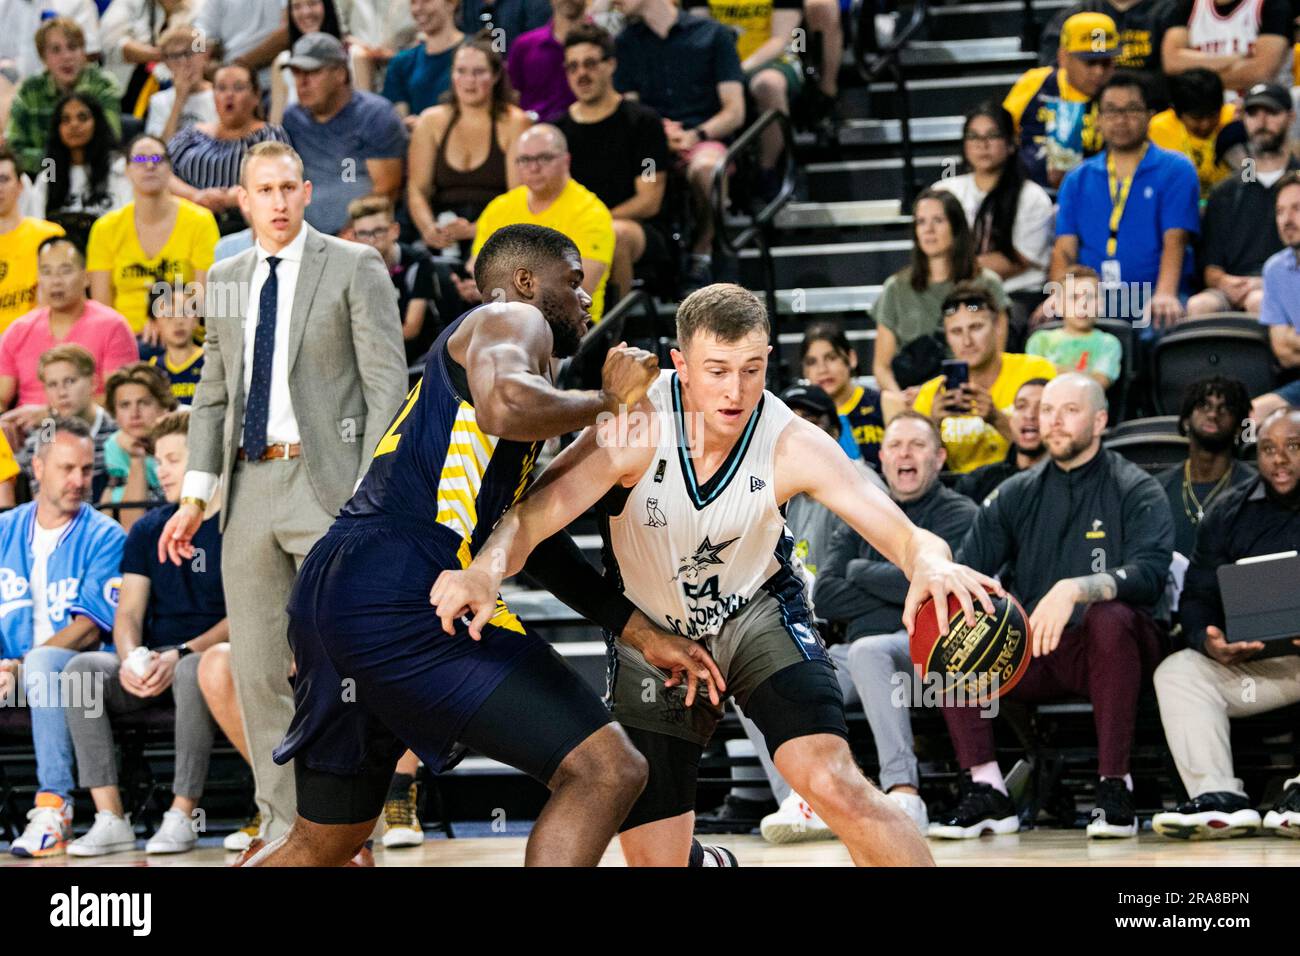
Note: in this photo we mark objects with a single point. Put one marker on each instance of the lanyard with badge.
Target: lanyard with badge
(1119, 192)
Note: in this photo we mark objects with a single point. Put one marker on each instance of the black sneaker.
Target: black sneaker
(1209, 816)
(734, 815)
(983, 809)
(1113, 816)
(1284, 819)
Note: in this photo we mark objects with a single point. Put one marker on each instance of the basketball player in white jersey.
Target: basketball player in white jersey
(692, 482)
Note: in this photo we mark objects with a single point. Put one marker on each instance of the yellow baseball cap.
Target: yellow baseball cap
(1090, 35)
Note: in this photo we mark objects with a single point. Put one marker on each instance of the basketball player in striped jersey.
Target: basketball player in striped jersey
(692, 483)
(375, 673)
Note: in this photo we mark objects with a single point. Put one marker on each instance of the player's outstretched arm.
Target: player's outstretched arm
(577, 479)
(506, 362)
(811, 462)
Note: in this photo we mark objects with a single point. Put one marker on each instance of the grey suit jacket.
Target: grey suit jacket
(347, 368)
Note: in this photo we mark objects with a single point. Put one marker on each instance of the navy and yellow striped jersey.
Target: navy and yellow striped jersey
(184, 378)
(434, 466)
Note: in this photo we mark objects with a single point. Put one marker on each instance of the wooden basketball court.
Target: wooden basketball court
(1034, 848)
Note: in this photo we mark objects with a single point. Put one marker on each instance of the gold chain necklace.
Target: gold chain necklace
(1189, 494)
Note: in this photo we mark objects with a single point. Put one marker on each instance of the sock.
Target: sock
(991, 774)
(697, 854)
(400, 788)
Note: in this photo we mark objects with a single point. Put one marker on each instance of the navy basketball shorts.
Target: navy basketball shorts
(377, 675)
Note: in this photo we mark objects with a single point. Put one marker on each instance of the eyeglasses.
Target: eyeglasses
(152, 159)
(1125, 111)
(984, 138)
(971, 307)
(534, 162)
(573, 66)
(371, 235)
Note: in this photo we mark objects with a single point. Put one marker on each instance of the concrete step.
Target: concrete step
(828, 264)
(849, 304)
(930, 97)
(869, 179)
(972, 20)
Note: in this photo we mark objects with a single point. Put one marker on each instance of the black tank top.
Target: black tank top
(468, 190)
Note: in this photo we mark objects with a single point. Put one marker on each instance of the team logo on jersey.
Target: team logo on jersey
(705, 555)
(1097, 531)
(659, 470)
(654, 517)
(756, 484)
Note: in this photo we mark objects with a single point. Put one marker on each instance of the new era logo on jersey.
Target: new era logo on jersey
(756, 484)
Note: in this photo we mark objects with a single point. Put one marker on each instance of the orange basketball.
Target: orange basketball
(986, 657)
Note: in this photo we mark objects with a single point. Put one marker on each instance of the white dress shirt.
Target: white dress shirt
(281, 423)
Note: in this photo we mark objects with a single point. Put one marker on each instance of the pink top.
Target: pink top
(100, 329)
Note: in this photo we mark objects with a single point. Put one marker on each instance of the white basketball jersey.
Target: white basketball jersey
(1234, 34)
(690, 554)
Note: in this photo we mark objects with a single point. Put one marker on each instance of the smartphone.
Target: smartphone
(955, 374)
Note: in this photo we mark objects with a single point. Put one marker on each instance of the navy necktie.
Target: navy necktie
(259, 389)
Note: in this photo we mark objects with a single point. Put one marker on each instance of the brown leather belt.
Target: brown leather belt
(279, 451)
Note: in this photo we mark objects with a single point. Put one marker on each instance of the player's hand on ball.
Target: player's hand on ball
(1052, 615)
(940, 577)
(627, 375)
(458, 593)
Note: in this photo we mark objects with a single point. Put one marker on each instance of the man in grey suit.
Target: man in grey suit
(304, 370)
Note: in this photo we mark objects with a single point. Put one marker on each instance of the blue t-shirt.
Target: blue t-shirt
(1281, 290)
(184, 601)
(1165, 195)
(334, 153)
(416, 78)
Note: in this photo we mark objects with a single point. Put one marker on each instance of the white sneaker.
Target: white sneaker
(49, 828)
(176, 835)
(241, 839)
(794, 822)
(1284, 819)
(109, 834)
(914, 807)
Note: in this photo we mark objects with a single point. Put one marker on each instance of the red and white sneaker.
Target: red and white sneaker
(794, 822)
(1284, 819)
(49, 828)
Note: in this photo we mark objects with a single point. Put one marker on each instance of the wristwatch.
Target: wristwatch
(182, 650)
(191, 500)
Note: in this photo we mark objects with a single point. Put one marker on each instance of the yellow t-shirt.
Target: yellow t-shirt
(18, 267)
(576, 212)
(972, 442)
(114, 248)
(1168, 132)
(8, 465)
(752, 19)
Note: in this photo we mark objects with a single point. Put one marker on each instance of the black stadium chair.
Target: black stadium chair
(1232, 346)
(1156, 425)
(1151, 452)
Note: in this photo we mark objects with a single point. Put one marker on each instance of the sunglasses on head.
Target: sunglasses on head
(971, 306)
